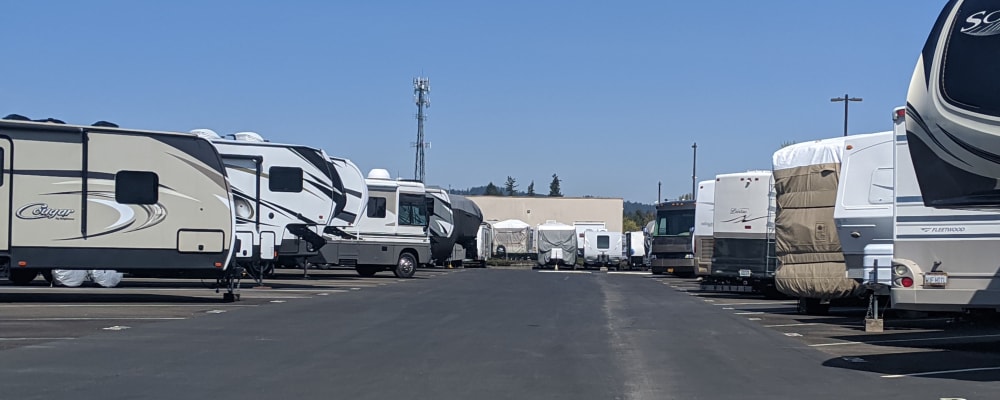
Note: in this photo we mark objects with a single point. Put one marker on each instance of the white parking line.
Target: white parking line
(753, 319)
(94, 319)
(952, 371)
(12, 339)
(565, 272)
(749, 313)
(903, 340)
(628, 273)
(785, 325)
(115, 305)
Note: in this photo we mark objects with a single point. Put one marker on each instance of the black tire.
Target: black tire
(366, 271)
(655, 272)
(22, 277)
(406, 266)
(812, 307)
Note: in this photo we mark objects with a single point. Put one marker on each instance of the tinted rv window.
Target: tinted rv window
(880, 191)
(674, 222)
(285, 179)
(968, 78)
(137, 187)
(376, 207)
(603, 242)
(412, 210)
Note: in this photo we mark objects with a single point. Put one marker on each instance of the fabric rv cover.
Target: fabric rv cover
(468, 217)
(556, 238)
(513, 234)
(811, 260)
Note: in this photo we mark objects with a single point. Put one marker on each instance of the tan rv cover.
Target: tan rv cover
(810, 258)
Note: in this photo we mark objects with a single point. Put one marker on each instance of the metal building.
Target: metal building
(537, 210)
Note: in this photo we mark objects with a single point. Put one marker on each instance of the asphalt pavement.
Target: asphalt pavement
(469, 334)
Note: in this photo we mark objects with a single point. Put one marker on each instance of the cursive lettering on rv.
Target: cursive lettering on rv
(739, 211)
(42, 210)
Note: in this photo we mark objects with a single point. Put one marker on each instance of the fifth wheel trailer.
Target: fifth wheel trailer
(128, 200)
(952, 124)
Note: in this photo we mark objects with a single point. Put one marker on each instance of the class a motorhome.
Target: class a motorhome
(945, 259)
(743, 256)
(99, 197)
(602, 249)
(704, 215)
(390, 235)
(671, 249)
(811, 264)
(557, 244)
(865, 208)
(284, 196)
(441, 226)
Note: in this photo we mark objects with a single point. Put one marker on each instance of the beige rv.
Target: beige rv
(88, 197)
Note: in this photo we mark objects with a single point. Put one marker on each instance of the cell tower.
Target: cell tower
(421, 91)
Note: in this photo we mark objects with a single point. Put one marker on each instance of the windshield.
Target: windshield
(674, 222)
(968, 81)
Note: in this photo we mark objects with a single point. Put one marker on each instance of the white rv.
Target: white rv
(704, 219)
(743, 256)
(602, 249)
(945, 257)
(98, 197)
(557, 244)
(348, 176)
(484, 243)
(635, 249)
(513, 239)
(391, 233)
(864, 209)
(583, 226)
(284, 197)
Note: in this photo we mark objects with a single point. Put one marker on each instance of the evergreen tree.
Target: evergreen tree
(531, 188)
(554, 190)
(492, 190)
(510, 186)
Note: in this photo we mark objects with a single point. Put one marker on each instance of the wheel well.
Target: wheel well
(413, 252)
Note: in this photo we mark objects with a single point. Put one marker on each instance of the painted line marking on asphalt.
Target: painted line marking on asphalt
(12, 339)
(793, 334)
(355, 288)
(323, 294)
(215, 311)
(951, 371)
(116, 328)
(118, 305)
(277, 301)
(799, 324)
(629, 273)
(727, 308)
(749, 313)
(756, 304)
(546, 271)
(753, 319)
(708, 300)
(903, 340)
(94, 319)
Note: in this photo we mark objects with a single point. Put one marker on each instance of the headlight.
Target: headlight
(901, 270)
(689, 255)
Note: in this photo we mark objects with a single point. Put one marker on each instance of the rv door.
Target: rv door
(5, 155)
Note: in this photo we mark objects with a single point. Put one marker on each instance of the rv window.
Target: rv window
(376, 207)
(603, 242)
(285, 179)
(968, 80)
(137, 187)
(1, 167)
(880, 191)
(412, 210)
(674, 222)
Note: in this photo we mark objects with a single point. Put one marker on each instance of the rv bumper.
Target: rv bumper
(672, 265)
(944, 299)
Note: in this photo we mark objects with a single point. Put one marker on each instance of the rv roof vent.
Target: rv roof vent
(16, 117)
(206, 133)
(379, 173)
(104, 124)
(249, 137)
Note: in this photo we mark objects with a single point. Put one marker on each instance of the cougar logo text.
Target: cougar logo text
(42, 210)
(982, 24)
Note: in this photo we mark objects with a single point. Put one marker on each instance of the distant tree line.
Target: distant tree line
(510, 189)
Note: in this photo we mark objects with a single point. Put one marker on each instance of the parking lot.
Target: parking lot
(38, 314)
(939, 346)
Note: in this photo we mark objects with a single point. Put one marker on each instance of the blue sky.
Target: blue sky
(608, 95)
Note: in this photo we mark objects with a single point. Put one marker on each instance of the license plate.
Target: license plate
(670, 270)
(744, 272)
(936, 279)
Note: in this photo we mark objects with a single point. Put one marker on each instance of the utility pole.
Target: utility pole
(847, 100)
(421, 93)
(694, 169)
(659, 192)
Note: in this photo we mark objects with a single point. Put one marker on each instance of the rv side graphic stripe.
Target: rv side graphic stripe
(948, 218)
(972, 149)
(923, 125)
(909, 199)
(951, 236)
(63, 173)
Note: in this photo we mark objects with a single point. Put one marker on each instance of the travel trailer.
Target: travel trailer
(672, 249)
(513, 239)
(602, 249)
(484, 243)
(441, 227)
(743, 257)
(391, 234)
(635, 249)
(944, 258)
(284, 196)
(583, 226)
(103, 198)
(864, 209)
(557, 244)
(811, 263)
(704, 215)
(471, 246)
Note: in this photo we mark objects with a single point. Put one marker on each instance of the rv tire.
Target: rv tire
(813, 307)
(406, 266)
(22, 277)
(366, 271)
